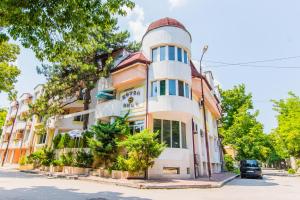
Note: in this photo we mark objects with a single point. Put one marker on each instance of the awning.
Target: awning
(105, 95)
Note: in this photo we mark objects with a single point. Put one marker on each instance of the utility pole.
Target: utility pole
(204, 113)
(12, 128)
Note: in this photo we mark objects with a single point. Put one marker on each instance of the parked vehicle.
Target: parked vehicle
(250, 169)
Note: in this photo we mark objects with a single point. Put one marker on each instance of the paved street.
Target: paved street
(18, 186)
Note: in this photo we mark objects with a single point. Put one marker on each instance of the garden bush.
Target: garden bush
(229, 163)
(83, 159)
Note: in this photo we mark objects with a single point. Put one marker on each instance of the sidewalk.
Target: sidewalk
(217, 181)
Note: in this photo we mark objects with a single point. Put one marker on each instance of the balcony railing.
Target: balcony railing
(108, 109)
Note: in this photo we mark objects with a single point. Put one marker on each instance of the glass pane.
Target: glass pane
(162, 53)
(154, 89)
(183, 135)
(180, 88)
(154, 54)
(179, 54)
(157, 127)
(167, 132)
(175, 134)
(185, 57)
(171, 53)
(162, 87)
(187, 90)
(172, 87)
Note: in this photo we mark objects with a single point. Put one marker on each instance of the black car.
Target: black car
(250, 169)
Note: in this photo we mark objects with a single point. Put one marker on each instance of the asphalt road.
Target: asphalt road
(18, 186)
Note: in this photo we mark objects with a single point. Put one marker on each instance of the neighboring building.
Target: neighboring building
(161, 88)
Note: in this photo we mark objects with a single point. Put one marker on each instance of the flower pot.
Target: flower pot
(106, 173)
(54, 169)
(116, 174)
(133, 175)
(26, 167)
(67, 170)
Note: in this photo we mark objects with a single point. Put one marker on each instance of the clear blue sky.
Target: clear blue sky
(236, 31)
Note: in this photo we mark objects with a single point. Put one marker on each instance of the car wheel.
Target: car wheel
(242, 176)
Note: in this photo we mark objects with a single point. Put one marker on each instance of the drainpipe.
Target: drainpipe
(12, 128)
(194, 152)
(147, 94)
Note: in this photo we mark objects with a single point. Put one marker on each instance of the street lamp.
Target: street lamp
(204, 50)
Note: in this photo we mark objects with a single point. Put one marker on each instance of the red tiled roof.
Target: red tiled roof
(197, 74)
(131, 59)
(166, 22)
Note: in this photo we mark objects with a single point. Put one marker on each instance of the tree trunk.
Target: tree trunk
(86, 103)
(146, 174)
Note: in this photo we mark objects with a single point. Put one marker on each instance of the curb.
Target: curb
(222, 183)
(142, 185)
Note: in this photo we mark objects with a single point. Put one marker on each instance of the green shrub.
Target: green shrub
(291, 171)
(57, 163)
(83, 159)
(23, 160)
(142, 148)
(48, 157)
(36, 158)
(67, 159)
(229, 163)
(56, 141)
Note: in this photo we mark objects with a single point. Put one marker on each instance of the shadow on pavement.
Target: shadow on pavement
(16, 174)
(53, 193)
(266, 181)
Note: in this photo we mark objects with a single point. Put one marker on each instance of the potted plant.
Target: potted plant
(83, 163)
(142, 149)
(24, 165)
(56, 166)
(67, 161)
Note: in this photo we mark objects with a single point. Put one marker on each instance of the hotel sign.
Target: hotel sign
(132, 98)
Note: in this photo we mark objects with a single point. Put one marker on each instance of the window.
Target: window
(157, 127)
(186, 90)
(179, 54)
(171, 170)
(162, 87)
(78, 118)
(180, 88)
(185, 57)
(26, 135)
(183, 135)
(172, 133)
(172, 87)
(154, 89)
(154, 54)
(175, 134)
(171, 53)
(167, 132)
(162, 53)
(136, 126)
(42, 139)
(188, 171)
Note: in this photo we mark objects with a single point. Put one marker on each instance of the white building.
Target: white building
(162, 89)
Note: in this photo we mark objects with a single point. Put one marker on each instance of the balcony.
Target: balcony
(20, 126)
(24, 108)
(19, 135)
(69, 122)
(108, 109)
(73, 103)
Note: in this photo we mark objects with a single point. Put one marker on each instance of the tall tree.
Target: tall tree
(287, 133)
(3, 113)
(70, 35)
(239, 127)
(8, 70)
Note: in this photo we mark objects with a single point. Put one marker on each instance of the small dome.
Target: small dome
(166, 22)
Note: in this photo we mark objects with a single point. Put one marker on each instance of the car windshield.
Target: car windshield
(251, 163)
